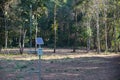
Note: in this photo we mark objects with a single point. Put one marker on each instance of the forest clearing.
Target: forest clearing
(59, 39)
(62, 65)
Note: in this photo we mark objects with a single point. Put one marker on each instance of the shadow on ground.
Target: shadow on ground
(84, 68)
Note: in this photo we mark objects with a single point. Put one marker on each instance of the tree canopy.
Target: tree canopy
(88, 24)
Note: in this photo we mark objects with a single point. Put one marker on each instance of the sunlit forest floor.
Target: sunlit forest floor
(62, 65)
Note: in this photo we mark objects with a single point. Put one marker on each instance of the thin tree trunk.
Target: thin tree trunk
(68, 34)
(88, 49)
(20, 44)
(6, 39)
(98, 34)
(88, 44)
(89, 36)
(106, 40)
(105, 24)
(119, 27)
(75, 39)
(55, 28)
(6, 36)
(23, 40)
(97, 11)
(30, 26)
(115, 40)
(36, 35)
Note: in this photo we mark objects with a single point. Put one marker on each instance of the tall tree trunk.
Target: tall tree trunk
(97, 24)
(36, 31)
(20, 37)
(30, 26)
(75, 39)
(106, 40)
(55, 28)
(6, 36)
(6, 39)
(115, 39)
(89, 36)
(22, 40)
(1, 28)
(88, 44)
(98, 33)
(105, 23)
(68, 42)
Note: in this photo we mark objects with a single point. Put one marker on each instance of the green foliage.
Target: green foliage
(55, 26)
(41, 13)
(89, 31)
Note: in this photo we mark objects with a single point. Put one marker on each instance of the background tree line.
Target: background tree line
(89, 24)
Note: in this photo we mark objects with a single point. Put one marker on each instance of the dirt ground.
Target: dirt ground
(62, 65)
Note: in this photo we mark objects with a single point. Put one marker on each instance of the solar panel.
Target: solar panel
(39, 40)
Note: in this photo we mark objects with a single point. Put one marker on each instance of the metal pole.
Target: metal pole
(39, 62)
(39, 67)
